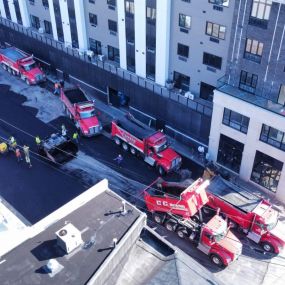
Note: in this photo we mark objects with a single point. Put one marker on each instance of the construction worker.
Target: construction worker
(63, 130)
(18, 154)
(12, 143)
(38, 141)
(27, 155)
(75, 137)
(119, 159)
(56, 88)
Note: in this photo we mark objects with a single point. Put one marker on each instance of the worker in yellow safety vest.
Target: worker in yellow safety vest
(38, 141)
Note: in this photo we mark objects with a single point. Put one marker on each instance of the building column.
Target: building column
(65, 22)
(52, 19)
(140, 37)
(12, 11)
(163, 17)
(122, 33)
(80, 24)
(2, 9)
(24, 13)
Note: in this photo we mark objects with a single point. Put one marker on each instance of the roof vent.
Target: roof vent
(69, 238)
(53, 267)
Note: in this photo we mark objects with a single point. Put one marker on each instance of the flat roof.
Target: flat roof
(99, 220)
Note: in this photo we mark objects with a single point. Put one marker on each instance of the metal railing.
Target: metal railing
(110, 66)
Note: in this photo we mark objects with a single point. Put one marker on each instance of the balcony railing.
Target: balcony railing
(225, 86)
(197, 104)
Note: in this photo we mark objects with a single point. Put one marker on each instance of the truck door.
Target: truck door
(206, 241)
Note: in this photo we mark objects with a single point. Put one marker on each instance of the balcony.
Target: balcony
(224, 86)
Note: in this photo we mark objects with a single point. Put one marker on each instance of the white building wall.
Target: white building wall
(80, 24)
(2, 9)
(122, 33)
(52, 19)
(163, 17)
(24, 13)
(65, 22)
(251, 141)
(12, 11)
(140, 37)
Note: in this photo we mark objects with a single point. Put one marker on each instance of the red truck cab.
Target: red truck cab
(252, 214)
(21, 64)
(145, 142)
(175, 204)
(81, 111)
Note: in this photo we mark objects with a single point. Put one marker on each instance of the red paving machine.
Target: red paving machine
(247, 212)
(21, 64)
(143, 141)
(81, 110)
(178, 207)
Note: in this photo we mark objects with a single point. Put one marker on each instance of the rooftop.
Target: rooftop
(99, 220)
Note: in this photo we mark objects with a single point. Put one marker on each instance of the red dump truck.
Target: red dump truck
(143, 141)
(81, 110)
(176, 205)
(21, 64)
(247, 212)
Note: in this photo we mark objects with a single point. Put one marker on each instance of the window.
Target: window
(182, 50)
(215, 30)
(35, 22)
(130, 8)
(111, 3)
(92, 1)
(224, 3)
(181, 81)
(113, 54)
(253, 50)
(248, 81)
(32, 2)
(45, 3)
(93, 19)
(273, 137)
(48, 27)
(95, 46)
(230, 153)
(281, 97)
(150, 15)
(266, 171)
(212, 60)
(206, 91)
(235, 120)
(184, 21)
(112, 26)
(261, 9)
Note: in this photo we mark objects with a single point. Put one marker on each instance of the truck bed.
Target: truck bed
(75, 95)
(232, 194)
(12, 54)
(136, 128)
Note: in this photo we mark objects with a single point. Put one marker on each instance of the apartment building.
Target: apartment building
(248, 122)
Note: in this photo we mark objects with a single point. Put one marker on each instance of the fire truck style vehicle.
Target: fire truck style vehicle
(176, 205)
(143, 141)
(81, 111)
(247, 212)
(21, 64)
(58, 149)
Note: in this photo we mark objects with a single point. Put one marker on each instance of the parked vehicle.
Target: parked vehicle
(21, 64)
(249, 213)
(58, 149)
(81, 110)
(143, 141)
(176, 205)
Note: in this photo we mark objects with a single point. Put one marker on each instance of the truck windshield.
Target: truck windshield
(87, 114)
(219, 237)
(29, 67)
(272, 225)
(221, 232)
(160, 147)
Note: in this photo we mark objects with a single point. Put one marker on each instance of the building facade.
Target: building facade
(247, 132)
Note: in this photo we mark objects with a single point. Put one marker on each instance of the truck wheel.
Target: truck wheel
(158, 218)
(171, 225)
(9, 70)
(4, 66)
(161, 170)
(207, 211)
(182, 233)
(125, 146)
(268, 247)
(117, 141)
(133, 151)
(27, 81)
(14, 72)
(217, 260)
(195, 219)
